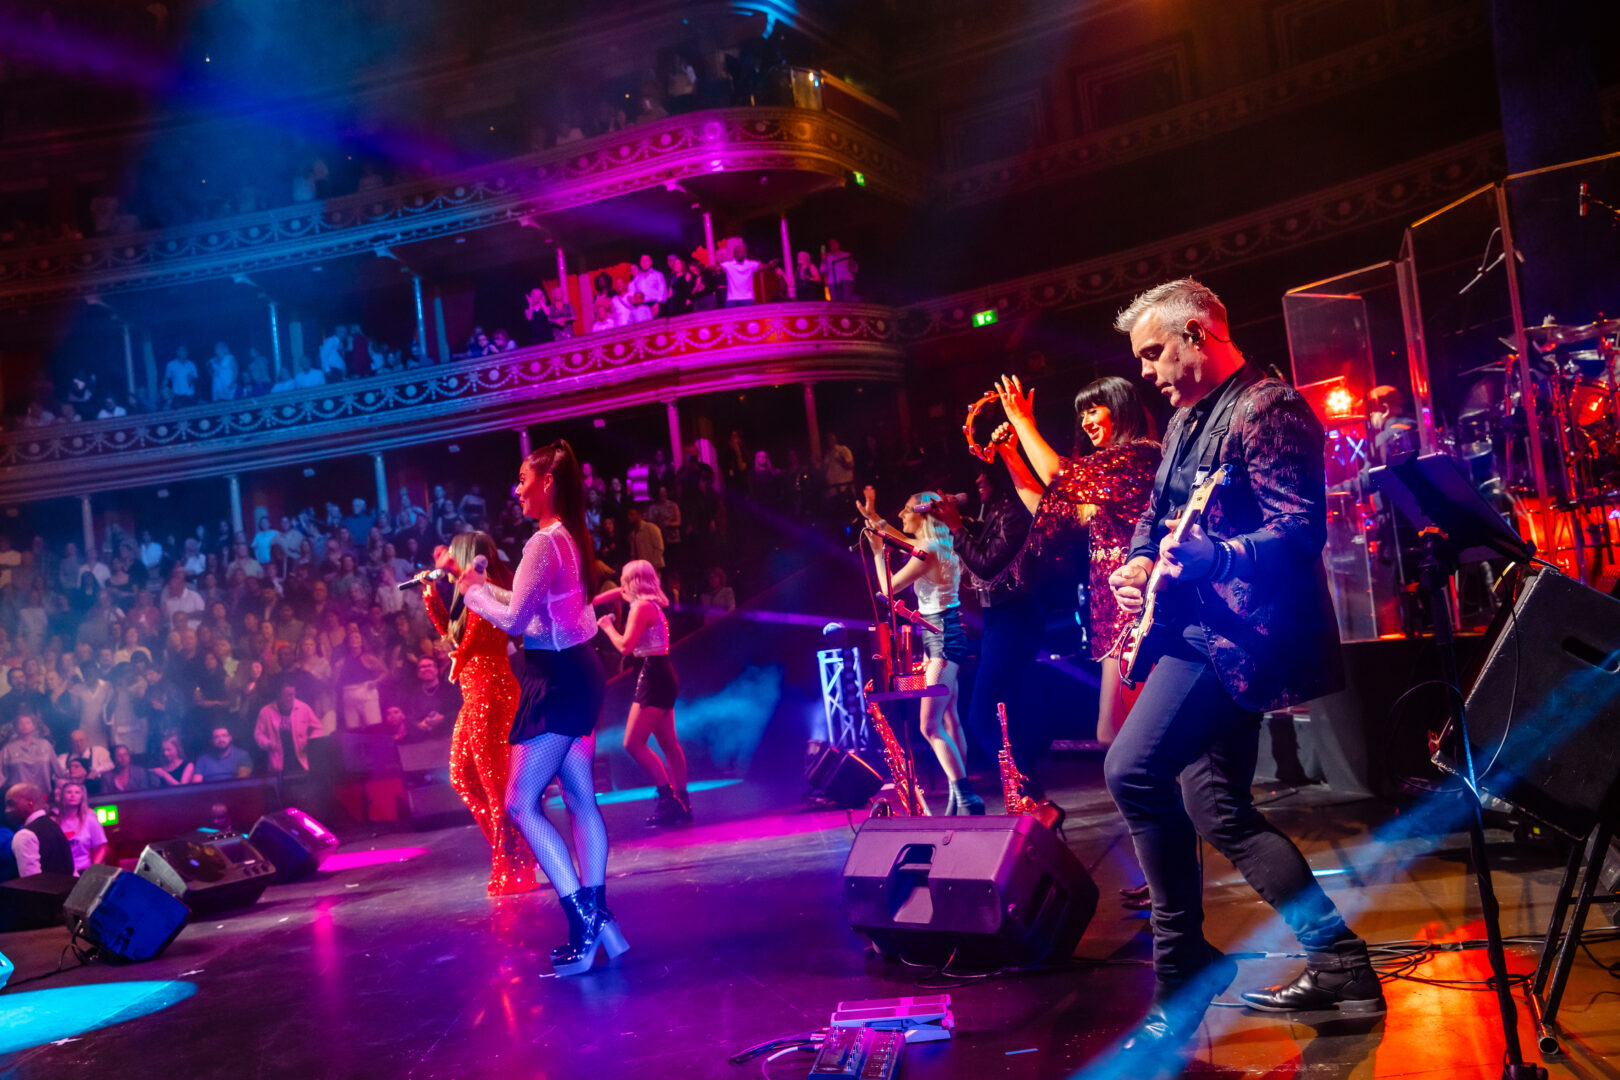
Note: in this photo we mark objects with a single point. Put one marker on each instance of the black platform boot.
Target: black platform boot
(668, 810)
(683, 802)
(587, 930)
(606, 917)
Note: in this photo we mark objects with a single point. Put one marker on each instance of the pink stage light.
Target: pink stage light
(354, 860)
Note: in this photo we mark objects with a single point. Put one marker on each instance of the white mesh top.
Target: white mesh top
(654, 640)
(939, 588)
(547, 604)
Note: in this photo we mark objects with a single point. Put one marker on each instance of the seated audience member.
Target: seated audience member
(429, 703)
(284, 729)
(223, 761)
(39, 845)
(85, 836)
(27, 758)
(172, 768)
(718, 598)
(126, 776)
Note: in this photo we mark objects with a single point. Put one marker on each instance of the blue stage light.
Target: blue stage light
(36, 1017)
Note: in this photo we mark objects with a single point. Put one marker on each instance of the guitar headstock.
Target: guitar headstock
(1206, 491)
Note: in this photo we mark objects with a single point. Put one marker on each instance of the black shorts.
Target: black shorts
(559, 693)
(951, 641)
(656, 684)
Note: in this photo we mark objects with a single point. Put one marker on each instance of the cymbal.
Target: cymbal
(1557, 334)
(1504, 364)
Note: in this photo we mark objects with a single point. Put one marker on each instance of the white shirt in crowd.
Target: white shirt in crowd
(641, 313)
(189, 601)
(151, 553)
(623, 315)
(331, 358)
(312, 377)
(181, 377)
(739, 279)
(108, 414)
(651, 285)
(223, 371)
(25, 847)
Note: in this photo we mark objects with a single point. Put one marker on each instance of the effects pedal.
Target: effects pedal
(858, 1053)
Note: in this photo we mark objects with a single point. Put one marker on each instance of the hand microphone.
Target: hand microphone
(915, 553)
(1585, 198)
(426, 575)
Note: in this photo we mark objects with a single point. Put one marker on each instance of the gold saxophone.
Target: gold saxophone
(1012, 781)
(910, 794)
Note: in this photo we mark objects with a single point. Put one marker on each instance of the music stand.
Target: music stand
(1456, 525)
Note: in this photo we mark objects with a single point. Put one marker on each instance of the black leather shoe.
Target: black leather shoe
(1178, 1008)
(1354, 991)
(1135, 892)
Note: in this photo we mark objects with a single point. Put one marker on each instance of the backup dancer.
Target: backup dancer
(560, 692)
(480, 757)
(652, 709)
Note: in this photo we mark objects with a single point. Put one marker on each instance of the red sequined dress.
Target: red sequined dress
(480, 756)
(1103, 493)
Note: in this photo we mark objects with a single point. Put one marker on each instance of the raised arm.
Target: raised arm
(437, 615)
(1019, 407)
(1029, 488)
(529, 587)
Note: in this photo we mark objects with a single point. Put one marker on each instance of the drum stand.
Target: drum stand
(1580, 888)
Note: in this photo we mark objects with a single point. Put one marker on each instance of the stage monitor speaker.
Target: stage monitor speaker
(206, 872)
(34, 902)
(125, 916)
(995, 891)
(843, 778)
(295, 843)
(1542, 712)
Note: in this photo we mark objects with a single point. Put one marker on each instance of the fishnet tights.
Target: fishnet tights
(567, 758)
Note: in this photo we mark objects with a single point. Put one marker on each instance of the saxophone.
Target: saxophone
(1012, 781)
(910, 795)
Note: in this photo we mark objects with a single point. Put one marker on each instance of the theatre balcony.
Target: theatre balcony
(663, 360)
(824, 141)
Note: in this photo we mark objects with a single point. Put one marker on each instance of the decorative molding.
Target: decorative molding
(1417, 45)
(1297, 26)
(978, 133)
(1154, 80)
(641, 157)
(1399, 193)
(729, 348)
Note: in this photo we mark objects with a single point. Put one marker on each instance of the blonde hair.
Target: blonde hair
(85, 812)
(932, 533)
(639, 581)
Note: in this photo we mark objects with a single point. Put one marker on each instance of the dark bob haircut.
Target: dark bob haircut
(1132, 421)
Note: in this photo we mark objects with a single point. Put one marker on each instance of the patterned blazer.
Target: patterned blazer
(1273, 636)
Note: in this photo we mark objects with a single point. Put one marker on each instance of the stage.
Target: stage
(392, 963)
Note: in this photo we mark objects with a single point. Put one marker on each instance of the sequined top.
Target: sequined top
(654, 641)
(1104, 494)
(548, 605)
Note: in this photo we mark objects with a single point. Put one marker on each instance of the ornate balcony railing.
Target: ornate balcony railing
(659, 360)
(644, 156)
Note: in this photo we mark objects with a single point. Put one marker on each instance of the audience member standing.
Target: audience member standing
(39, 845)
(650, 283)
(838, 472)
(739, 271)
(180, 379)
(29, 759)
(838, 270)
(333, 348)
(283, 731)
(222, 373)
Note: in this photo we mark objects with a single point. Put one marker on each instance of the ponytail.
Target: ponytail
(568, 500)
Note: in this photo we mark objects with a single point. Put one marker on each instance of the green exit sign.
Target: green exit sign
(107, 815)
(860, 179)
(985, 318)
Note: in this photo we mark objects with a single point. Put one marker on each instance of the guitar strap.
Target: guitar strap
(1219, 422)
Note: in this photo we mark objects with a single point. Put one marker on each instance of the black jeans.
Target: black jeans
(1012, 634)
(1185, 724)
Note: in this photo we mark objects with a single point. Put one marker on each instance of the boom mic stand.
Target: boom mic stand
(1454, 522)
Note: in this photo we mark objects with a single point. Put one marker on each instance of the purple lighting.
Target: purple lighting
(355, 860)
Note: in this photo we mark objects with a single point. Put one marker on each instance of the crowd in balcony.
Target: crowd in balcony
(213, 173)
(209, 655)
(622, 296)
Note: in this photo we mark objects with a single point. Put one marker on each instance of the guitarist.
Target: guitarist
(1244, 625)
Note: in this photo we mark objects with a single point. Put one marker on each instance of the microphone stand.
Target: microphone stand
(888, 633)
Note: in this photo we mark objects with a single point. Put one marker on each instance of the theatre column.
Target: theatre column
(708, 238)
(789, 270)
(421, 316)
(129, 361)
(812, 423)
(382, 485)
(676, 451)
(524, 449)
(275, 341)
(236, 503)
(89, 521)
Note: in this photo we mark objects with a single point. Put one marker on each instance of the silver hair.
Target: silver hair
(1176, 301)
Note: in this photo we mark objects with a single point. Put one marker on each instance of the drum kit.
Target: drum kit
(1575, 372)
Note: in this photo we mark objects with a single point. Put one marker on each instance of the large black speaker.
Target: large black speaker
(208, 872)
(35, 901)
(125, 916)
(843, 778)
(295, 843)
(1544, 713)
(997, 891)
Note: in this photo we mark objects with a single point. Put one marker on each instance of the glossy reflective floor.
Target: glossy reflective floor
(395, 964)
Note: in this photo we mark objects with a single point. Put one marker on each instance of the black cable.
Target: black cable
(83, 955)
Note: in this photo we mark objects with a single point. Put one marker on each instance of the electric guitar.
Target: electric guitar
(1146, 629)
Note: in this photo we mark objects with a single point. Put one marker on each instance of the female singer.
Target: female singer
(560, 690)
(480, 758)
(652, 709)
(936, 578)
(1103, 492)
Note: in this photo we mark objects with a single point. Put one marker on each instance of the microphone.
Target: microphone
(426, 575)
(915, 618)
(1585, 198)
(915, 553)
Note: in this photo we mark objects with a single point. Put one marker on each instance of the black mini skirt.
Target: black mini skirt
(559, 693)
(656, 684)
